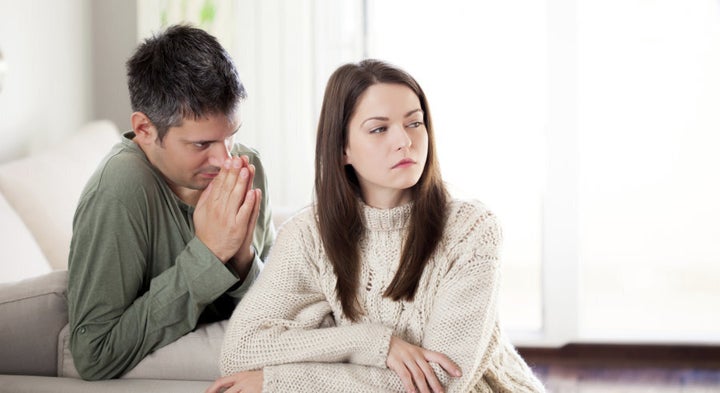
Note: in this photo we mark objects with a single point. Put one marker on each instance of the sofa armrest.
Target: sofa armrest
(32, 313)
(35, 384)
(194, 356)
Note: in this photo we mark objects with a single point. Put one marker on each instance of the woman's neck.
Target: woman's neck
(387, 200)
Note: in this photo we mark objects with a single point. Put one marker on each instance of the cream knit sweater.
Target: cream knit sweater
(290, 324)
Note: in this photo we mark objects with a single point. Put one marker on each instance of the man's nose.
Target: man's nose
(218, 154)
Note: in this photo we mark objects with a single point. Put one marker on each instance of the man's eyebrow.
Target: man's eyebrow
(213, 140)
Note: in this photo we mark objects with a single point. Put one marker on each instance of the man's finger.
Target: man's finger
(256, 210)
(204, 196)
(218, 181)
(237, 193)
(231, 179)
(246, 209)
(251, 167)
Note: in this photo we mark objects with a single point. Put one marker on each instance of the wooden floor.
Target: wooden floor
(567, 379)
(626, 368)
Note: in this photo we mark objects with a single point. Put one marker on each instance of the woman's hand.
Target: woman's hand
(410, 363)
(245, 382)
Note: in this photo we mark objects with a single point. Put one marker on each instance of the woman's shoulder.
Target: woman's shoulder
(300, 222)
(468, 211)
(471, 220)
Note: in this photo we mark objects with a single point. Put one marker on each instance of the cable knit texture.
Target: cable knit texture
(291, 325)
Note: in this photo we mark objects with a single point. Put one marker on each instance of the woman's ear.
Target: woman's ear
(143, 128)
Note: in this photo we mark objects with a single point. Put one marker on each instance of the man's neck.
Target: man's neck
(186, 195)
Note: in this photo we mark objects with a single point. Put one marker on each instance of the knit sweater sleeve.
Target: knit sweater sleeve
(286, 318)
(463, 321)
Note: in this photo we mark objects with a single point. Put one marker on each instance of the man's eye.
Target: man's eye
(201, 145)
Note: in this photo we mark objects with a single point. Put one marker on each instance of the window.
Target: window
(589, 128)
(483, 66)
(649, 170)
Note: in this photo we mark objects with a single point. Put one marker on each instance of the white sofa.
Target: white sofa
(38, 195)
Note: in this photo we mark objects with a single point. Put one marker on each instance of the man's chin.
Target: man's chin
(203, 180)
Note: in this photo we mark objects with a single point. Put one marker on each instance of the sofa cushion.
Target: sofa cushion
(44, 188)
(20, 255)
(194, 356)
(33, 312)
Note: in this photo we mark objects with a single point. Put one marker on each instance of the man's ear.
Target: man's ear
(144, 129)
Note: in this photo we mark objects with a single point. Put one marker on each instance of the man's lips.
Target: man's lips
(405, 162)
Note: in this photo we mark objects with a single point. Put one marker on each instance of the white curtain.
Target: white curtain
(285, 51)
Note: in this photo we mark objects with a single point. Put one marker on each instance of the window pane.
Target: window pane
(483, 67)
(650, 170)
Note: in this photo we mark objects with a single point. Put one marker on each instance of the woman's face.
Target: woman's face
(387, 144)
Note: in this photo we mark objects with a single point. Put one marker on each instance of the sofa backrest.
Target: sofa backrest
(43, 188)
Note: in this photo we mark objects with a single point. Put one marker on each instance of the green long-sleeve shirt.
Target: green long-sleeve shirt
(138, 277)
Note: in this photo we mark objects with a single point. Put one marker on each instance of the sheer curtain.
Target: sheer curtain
(285, 51)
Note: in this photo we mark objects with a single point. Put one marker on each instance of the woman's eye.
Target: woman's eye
(415, 124)
(377, 130)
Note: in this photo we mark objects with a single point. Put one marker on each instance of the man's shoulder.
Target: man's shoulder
(239, 149)
(122, 171)
(254, 158)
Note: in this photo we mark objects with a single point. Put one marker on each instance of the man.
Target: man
(171, 229)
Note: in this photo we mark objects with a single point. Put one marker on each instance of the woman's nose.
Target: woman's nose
(402, 138)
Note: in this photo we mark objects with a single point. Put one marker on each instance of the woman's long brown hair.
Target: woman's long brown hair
(337, 188)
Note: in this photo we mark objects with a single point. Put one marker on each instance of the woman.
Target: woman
(386, 284)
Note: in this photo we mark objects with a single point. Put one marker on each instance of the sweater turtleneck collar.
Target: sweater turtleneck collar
(386, 219)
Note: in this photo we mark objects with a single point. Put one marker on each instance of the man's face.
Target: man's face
(191, 154)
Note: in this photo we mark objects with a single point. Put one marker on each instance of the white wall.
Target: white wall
(114, 38)
(65, 67)
(46, 89)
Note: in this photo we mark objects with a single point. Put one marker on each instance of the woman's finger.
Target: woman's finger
(418, 376)
(219, 384)
(430, 376)
(404, 375)
(444, 362)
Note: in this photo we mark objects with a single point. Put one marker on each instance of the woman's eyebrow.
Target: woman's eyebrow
(381, 118)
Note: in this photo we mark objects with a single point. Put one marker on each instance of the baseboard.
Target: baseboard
(625, 355)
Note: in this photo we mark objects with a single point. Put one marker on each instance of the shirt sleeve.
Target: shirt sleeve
(285, 317)
(115, 322)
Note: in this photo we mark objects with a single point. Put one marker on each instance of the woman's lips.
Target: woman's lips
(404, 163)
